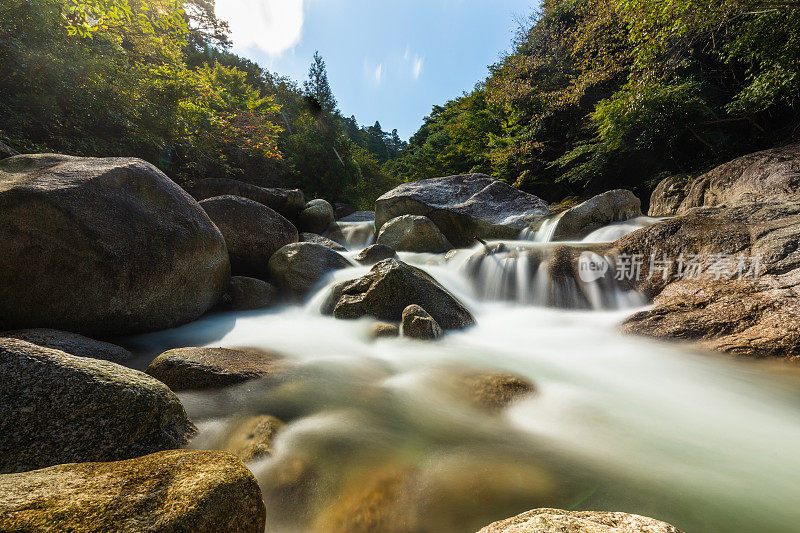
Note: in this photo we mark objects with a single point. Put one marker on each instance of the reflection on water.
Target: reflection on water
(377, 439)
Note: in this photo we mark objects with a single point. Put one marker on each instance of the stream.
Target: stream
(705, 442)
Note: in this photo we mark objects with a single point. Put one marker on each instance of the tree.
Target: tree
(317, 86)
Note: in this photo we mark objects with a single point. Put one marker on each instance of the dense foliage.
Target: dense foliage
(617, 93)
(154, 79)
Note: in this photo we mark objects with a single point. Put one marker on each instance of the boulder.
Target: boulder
(768, 176)
(252, 232)
(316, 216)
(668, 195)
(6, 151)
(341, 210)
(287, 202)
(374, 253)
(738, 290)
(71, 343)
(388, 289)
(297, 268)
(413, 233)
(601, 210)
(57, 408)
(418, 324)
(384, 330)
(558, 521)
(463, 207)
(359, 216)
(103, 247)
(324, 241)
(211, 368)
(248, 294)
(251, 437)
(167, 492)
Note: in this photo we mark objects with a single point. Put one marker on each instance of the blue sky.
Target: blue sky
(388, 60)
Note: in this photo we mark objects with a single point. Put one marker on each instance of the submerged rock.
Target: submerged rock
(287, 202)
(601, 210)
(384, 330)
(297, 268)
(210, 368)
(388, 289)
(252, 232)
(70, 343)
(418, 324)
(250, 438)
(103, 247)
(413, 233)
(172, 491)
(324, 241)
(559, 521)
(247, 294)
(374, 253)
(463, 207)
(316, 217)
(57, 408)
(491, 391)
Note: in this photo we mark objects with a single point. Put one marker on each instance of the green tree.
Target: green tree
(317, 85)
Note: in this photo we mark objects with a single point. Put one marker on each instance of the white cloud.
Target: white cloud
(273, 26)
(416, 69)
(379, 73)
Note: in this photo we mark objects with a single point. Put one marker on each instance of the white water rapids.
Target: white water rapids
(618, 423)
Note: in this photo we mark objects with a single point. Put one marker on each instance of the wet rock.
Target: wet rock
(297, 268)
(252, 232)
(359, 216)
(171, 491)
(374, 253)
(251, 438)
(71, 343)
(287, 202)
(324, 241)
(668, 195)
(384, 330)
(559, 521)
(388, 289)
(316, 216)
(463, 207)
(7, 151)
(341, 210)
(210, 368)
(418, 324)
(248, 294)
(57, 408)
(148, 256)
(491, 391)
(599, 211)
(767, 176)
(413, 233)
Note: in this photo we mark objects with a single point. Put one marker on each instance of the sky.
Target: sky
(387, 60)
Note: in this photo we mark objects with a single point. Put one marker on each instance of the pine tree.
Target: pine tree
(317, 86)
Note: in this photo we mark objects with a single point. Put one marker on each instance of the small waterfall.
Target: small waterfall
(352, 235)
(617, 230)
(545, 232)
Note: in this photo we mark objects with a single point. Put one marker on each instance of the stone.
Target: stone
(298, 268)
(250, 438)
(57, 408)
(324, 241)
(413, 233)
(668, 195)
(252, 232)
(316, 216)
(71, 343)
(168, 492)
(463, 207)
(390, 287)
(359, 216)
(418, 324)
(341, 210)
(384, 330)
(287, 202)
(611, 206)
(211, 368)
(249, 294)
(103, 247)
(487, 390)
(559, 521)
(6, 151)
(374, 253)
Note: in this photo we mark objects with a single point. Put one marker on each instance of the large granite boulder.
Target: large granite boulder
(388, 289)
(57, 408)
(559, 521)
(6, 151)
(413, 233)
(727, 279)
(71, 343)
(297, 268)
(316, 216)
(287, 202)
(103, 247)
(374, 253)
(324, 241)
(611, 206)
(463, 207)
(252, 231)
(767, 176)
(248, 294)
(359, 216)
(212, 368)
(167, 492)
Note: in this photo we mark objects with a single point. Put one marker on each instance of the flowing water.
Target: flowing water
(378, 432)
